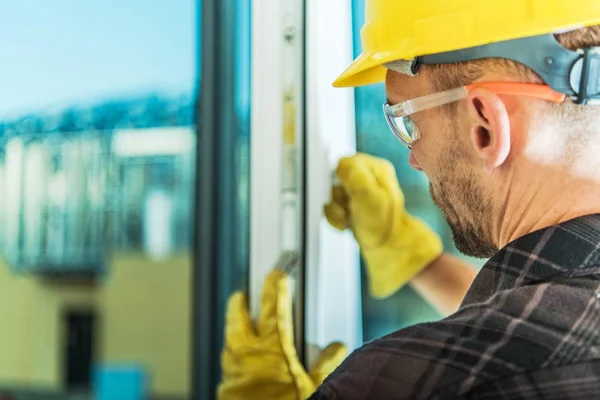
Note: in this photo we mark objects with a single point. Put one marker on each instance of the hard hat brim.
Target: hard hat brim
(366, 69)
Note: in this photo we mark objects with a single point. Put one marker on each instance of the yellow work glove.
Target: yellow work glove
(395, 245)
(262, 363)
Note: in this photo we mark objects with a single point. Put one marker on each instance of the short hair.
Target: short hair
(584, 121)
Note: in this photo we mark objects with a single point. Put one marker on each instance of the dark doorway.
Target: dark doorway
(79, 348)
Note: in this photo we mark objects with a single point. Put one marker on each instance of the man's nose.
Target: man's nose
(412, 160)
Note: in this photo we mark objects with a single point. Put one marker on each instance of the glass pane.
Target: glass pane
(223, 182)
(405, 308)
(242, 99)
(97, 171)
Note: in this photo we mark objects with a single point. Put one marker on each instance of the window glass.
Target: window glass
(223, 182)
(404, 308)
(97, 173)
(242, 99)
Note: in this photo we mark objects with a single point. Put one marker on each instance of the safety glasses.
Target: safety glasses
(399, 118)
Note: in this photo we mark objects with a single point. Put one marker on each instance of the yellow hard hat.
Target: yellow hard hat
(443, 31)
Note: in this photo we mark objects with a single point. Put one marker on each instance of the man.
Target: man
(495, 101)
(512, 153)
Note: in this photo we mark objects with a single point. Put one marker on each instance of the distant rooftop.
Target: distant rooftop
(150, 111)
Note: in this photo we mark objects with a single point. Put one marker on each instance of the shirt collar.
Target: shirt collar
(551, 253)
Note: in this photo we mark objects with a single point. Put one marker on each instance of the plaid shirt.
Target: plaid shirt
(528, 328)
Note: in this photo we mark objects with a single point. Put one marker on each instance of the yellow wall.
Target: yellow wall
(147, 318)
(143, 313)
(30, 334)
(49, 338)
(17, 310)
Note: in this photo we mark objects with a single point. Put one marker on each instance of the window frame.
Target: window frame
(333, 278)
(217, 257)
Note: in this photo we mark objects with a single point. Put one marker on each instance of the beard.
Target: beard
(466, 210)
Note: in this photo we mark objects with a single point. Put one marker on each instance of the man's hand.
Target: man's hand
(261, 362)
(395, 245)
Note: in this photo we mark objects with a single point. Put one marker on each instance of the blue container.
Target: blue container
(122, 382)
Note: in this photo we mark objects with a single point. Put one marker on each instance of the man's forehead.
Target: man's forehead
(400, 87)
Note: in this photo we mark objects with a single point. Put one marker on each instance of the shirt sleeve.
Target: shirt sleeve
(418, 362)
(407, 365)
(323, 393)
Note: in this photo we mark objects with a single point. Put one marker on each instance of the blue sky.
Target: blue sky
(64, 52)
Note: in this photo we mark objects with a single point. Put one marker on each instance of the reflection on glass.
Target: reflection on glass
(153, 184)
(241, 110)
(97, 153)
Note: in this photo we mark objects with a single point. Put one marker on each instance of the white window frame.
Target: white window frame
(332, 298)
(275, 64)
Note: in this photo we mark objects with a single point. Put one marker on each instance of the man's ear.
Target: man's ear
(489, 127)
